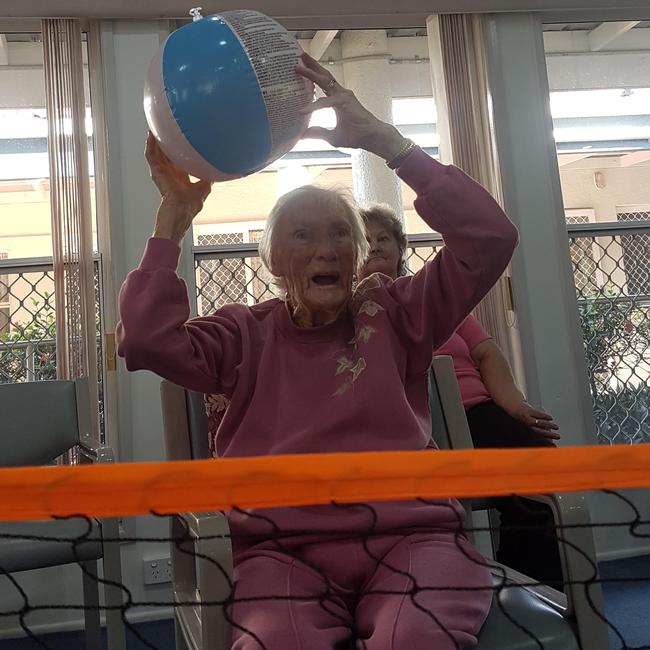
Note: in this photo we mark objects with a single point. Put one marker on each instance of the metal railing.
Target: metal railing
(34, 360)
(234, 272)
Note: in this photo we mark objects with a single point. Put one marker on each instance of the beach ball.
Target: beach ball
(222, 96)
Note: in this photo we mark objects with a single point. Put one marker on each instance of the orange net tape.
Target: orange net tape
(126, 489)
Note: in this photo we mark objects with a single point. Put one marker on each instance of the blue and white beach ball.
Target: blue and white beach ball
(222, 96)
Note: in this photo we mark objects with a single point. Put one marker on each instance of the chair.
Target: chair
(40, 422)
(541, 610)
(200, 535)
(559, 620)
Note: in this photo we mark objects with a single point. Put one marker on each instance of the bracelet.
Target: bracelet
(395, 162)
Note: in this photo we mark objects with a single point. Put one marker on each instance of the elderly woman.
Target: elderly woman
(331, 369)
(497, 411)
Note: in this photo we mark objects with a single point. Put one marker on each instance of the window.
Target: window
(27, 301)
(25, 222)
(600, 104)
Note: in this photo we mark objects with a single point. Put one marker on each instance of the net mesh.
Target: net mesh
(344, 571)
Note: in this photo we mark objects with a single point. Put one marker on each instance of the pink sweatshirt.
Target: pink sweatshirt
(459, 347)
(357, 384)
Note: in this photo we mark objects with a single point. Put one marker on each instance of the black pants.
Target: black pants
(528, 541)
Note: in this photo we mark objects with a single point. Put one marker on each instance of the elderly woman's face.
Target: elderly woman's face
(314, 251)
(384, 251)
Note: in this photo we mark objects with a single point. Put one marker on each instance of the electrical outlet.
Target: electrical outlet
(157, 570)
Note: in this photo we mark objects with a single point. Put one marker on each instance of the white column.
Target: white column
(555, 368)
(365, 71)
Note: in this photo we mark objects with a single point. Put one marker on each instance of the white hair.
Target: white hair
(329, 197)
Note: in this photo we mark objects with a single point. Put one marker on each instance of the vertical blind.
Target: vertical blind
(72, 243)
(466, 95)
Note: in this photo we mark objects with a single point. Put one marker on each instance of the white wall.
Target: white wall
(128, 48)
(619, 540)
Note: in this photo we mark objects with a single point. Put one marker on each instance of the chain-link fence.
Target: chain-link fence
(611, 266)
(27, 321)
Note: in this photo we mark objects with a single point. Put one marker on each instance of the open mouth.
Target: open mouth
(326, 279)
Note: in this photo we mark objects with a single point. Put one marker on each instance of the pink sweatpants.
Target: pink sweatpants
(415, 592)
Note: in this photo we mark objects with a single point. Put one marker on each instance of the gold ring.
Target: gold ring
(330, 84)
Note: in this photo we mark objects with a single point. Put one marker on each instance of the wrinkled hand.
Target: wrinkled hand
(356, 127)
(182, 198)
(536, 419)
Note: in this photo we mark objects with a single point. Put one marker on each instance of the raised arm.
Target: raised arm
(154, 332)
(479, 238)
(479, 241)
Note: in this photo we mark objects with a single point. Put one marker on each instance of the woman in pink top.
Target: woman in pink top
(331, 369)
(498, 414)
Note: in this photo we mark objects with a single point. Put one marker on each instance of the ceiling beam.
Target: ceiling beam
(4, 50)
(606, 33)
(321, 41)
(634, 158)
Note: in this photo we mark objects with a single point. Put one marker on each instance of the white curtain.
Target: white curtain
(462, 98)
(76, 330)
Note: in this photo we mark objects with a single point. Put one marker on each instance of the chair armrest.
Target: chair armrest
(570, 513)
(202, 569)
(579, 564)
(175, 422)
(100, 454)
(506, 575)
(451, 404)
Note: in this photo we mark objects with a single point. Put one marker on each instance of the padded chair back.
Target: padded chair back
(197, 423)
(449, 428)
(40, 421)
(186, 423)
(200, 581)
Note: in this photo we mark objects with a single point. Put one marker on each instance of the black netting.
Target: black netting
(379, 586)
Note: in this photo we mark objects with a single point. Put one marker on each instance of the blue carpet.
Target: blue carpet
(160, 634)
(627, 606)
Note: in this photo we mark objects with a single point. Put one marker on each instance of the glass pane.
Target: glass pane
(25, 228)
(600, 103)
(27, 300)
